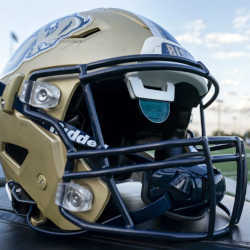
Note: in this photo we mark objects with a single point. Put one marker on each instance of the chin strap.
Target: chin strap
(149, 212)
(224, 208)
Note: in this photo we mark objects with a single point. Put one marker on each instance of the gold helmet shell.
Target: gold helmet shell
(145, 71)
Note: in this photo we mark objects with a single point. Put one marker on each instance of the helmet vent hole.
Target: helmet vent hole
(17, 153)
(86, 33)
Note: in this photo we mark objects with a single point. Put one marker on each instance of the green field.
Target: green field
(229, 168)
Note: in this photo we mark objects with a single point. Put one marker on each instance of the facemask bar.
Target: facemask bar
(106, 173)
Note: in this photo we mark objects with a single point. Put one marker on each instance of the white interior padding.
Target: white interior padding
(158, 78)
(137, 89)
(131, 194)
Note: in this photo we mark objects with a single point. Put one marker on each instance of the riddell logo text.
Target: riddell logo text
(76, 135)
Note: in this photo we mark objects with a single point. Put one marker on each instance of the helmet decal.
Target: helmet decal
(75, 135)
(173, 50)
(155, 111)
(159, 45)
(46, 38)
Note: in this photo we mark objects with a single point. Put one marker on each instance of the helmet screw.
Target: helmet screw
(41, 181)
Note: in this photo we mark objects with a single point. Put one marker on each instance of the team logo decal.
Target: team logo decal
(45, 38)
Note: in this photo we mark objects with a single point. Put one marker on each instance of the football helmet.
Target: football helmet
(95, 109)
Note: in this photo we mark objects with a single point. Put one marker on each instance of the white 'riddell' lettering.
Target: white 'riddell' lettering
(82, 139)
(171, 50)
(52, 130)
(178, 51)
(92, 143)
(75, 136)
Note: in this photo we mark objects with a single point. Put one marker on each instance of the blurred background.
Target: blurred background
(215, 32)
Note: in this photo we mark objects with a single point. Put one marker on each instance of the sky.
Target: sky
(214, 32)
